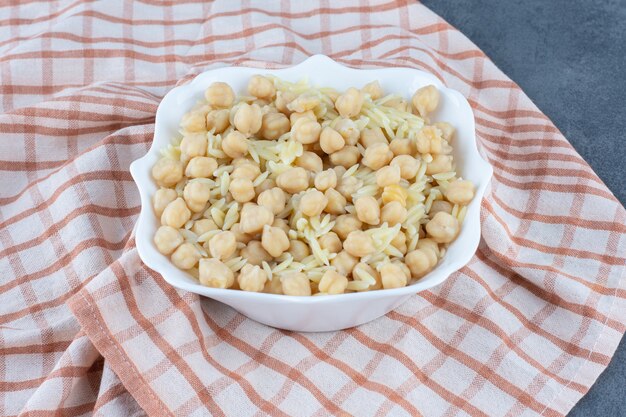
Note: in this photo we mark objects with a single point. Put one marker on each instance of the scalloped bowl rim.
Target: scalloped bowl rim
(140, 171)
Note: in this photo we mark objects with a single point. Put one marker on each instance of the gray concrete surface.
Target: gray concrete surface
(569, 56)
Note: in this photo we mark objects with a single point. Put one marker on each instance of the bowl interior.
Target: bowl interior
(324, 72)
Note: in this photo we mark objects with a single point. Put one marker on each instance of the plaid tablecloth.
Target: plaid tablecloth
(85, 328)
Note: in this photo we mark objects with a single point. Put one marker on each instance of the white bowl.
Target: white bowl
(319, 313)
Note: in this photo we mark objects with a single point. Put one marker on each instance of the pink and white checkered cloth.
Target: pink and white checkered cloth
(86, 329)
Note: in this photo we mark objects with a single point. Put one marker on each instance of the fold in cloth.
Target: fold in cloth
(524, 329)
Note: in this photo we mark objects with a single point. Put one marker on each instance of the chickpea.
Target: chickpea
(220, 95)
(294, 117)
(246, 169)
(362, 268)
(407, 164)
(175, 214)
(440, 205)
(248, 118)
(349, 186)
(196, 195)
(253, 218)
(398, 103)
(443, 227)
(439, 164)
(236, 285)
(252, 278)
(339, 171)
(310, 161)
(202, 226)
(223, 245)
(167, 172)
(373, 89)
(349, 103)
(393, 213)
(313, 147)
(193, 145)
(392, 276)
(304, 102)
(218, 120)
(186, 256)
(215, 274)
(293, 180)
(425, 243)
(325, 180)
(242, 190)
(372, 136)
(359, 244)
(367, 210)
(261, 87)
(283, 98)
(306, 131)
(447, 130)
(429, 140)
(403, 268)
(162, 198)
(240, 236)
(167, 239)
(399, 242)
(201, 167)
(239, 162)
(418, 262)
(313, 202)
(235, 144)
(254, 253)
(299, 250)
(273, 199)
(377, 156)
(316, 148)
(336, 202)
(346, 157)
(460, 192)
(265, 105)
(344, 263)
(333, 282)
(348, 130)
(274, 125)
(267, 184)
(193, 122)
(425, 100)
(274, 240)
(331, 141)
(273, 286)
(332, 94)
(282, 224)
(400, 146)
(388, 175)
(331, 242)
(445, 147)
(295, 283)
(394, 192)
(345, 224)
(431, 254)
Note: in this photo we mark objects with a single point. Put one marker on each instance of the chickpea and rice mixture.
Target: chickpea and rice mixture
(306, 191)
